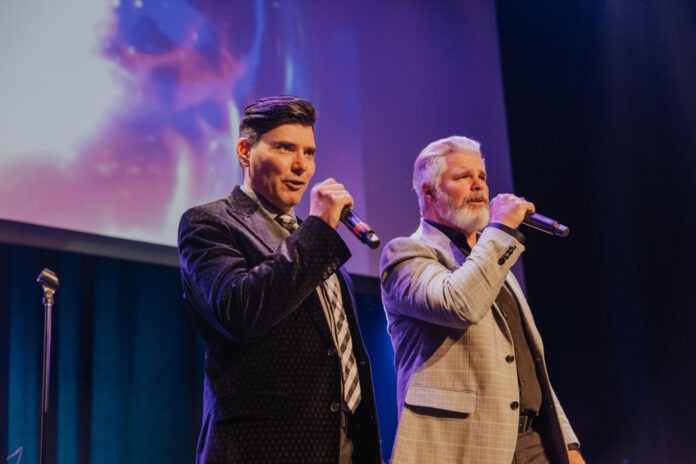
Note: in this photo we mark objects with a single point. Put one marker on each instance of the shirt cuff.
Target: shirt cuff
(519, 236)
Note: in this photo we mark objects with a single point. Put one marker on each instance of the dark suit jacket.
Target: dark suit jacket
(272, 376)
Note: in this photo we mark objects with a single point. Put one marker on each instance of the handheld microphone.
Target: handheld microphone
(544, 224)
(360, 228)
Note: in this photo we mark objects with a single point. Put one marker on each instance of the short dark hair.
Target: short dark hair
(268, 113)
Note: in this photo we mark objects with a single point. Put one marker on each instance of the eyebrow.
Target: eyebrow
(276, 143)
(459, 172)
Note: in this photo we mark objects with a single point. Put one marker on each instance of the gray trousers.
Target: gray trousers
(530, 449)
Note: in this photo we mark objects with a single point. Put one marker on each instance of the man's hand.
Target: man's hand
(510, 210)
(327, 201)
(575, 457)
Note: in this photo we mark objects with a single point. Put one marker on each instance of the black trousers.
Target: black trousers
(346, 454)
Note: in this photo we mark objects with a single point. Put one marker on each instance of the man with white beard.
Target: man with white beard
(472, 383)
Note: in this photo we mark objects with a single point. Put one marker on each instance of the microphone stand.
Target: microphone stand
(49, 282)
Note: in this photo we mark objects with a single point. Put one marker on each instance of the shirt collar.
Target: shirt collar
(457, 238)
(266, 206)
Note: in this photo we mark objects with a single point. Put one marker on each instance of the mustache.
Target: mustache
(476, 197)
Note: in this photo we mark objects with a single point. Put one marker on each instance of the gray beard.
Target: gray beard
(463, 217)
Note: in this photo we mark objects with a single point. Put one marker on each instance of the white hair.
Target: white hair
(430, 163)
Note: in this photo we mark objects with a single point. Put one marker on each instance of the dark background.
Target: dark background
(601, 106)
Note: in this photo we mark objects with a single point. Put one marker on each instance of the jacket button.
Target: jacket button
(509, 358)
(331, 352)
(334, 407)
(514, 405)
(501, 261)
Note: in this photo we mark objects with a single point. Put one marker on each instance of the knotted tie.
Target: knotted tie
(287, 221)
(349, 368)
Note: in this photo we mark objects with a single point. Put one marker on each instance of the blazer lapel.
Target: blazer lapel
(250, 216)
(526, 312)
(454, 257)
(270, 235)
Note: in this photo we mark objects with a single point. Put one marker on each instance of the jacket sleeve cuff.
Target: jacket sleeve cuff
(519, 236)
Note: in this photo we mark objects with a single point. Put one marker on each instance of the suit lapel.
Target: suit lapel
(435, 238)
(348, 306)
(250, 216)
(316, 313)
(526, 313)
(270, 234)
(500, 319)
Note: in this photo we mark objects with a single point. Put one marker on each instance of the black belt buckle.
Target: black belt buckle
(526, 420)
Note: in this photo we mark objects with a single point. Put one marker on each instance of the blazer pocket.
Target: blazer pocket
(420, 396)
(261, 405)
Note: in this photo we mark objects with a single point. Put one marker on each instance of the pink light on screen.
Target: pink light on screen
(97, 135)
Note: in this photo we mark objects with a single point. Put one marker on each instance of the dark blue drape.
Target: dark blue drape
(127, 363)
(127, 366)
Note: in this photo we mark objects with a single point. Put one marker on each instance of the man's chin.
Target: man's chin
(473, 222)
(290, 201)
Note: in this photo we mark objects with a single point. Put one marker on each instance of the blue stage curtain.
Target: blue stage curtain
(127, 367)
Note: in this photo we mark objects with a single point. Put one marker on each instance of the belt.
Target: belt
(526, 419)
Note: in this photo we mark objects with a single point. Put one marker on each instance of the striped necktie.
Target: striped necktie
(351, 381)
(344, 344)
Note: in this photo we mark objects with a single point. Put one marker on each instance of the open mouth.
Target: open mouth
(294, 184)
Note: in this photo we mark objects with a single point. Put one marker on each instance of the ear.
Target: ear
(243, 152)
(428, 192)
(428, 208)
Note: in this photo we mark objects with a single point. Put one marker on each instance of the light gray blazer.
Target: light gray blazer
(455, 387)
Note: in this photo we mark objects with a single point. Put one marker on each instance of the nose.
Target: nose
(478, 185)
(299, 162)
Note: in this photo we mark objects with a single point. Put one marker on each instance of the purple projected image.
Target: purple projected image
(117, 116)
(116, 119)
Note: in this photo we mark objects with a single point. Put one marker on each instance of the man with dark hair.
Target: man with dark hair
(287, 377)
(472, 382)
